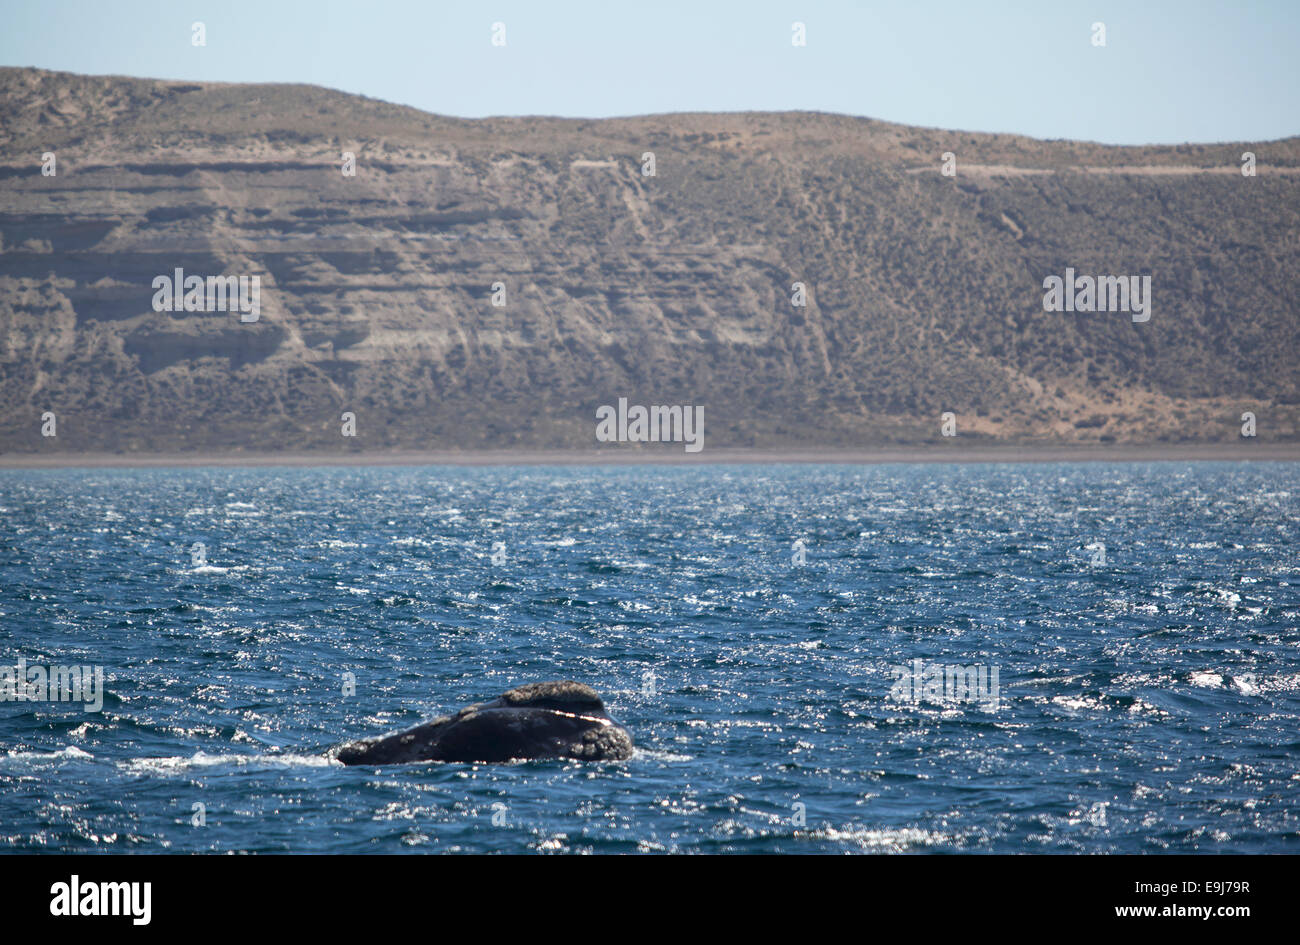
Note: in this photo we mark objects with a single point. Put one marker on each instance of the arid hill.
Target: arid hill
(924, 291)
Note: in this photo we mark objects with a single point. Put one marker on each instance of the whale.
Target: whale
(542, 720)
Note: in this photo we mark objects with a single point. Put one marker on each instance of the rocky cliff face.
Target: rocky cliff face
(924, 292)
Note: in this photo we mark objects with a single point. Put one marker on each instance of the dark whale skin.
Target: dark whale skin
(540, 720)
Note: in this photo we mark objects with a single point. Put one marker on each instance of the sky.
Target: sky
(1169, 73)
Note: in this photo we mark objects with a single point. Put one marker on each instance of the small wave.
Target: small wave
(209, 569)
(1245, 685)
(72, 752)
(894, 839)
(659, 754)
(1078, 703)
(178, 764)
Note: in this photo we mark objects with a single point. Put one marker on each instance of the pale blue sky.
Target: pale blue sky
(1171, 71)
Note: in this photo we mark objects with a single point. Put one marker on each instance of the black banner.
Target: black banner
(337, 894)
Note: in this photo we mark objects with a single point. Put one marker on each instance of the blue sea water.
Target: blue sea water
(1148, 695)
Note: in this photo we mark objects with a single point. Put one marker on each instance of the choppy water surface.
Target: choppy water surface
(1147, 703)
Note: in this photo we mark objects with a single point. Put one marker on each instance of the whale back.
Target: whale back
(558, 719)
(564, 696)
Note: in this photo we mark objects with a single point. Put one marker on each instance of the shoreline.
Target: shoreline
(954, 453)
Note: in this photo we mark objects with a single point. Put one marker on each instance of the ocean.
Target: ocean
(1037, 658)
